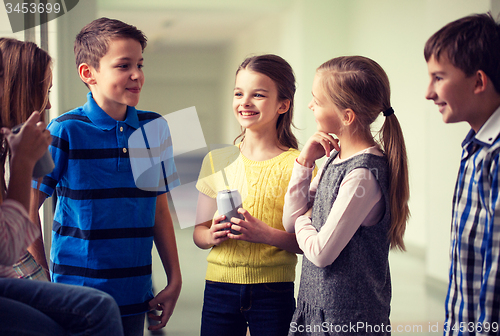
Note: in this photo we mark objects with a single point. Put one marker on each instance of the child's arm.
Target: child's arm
(208, 233)
(359, 202)
(301, 190)
(37, 249)
(487, 311)
(16, 232)
(256, 231)
(300, 195)
(26, 147)
(164, 237)
(60, 157)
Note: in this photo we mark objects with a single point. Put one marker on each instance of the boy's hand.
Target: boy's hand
(165, 302)
(319, 144)
(252, 229)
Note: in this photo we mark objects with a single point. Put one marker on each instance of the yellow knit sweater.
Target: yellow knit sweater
(262, 185)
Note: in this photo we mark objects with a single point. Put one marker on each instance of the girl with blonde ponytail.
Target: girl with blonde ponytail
(359, 201)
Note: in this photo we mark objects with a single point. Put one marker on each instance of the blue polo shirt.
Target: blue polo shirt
(103, 224)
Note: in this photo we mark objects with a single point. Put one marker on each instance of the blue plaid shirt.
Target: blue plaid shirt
(473, 300)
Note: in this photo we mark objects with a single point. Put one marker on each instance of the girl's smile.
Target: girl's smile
(255, 101)
(245, 113)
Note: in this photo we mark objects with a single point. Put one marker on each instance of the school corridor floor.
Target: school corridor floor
(416, 309)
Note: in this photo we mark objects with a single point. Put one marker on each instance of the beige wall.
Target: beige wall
(181, 77)
(392, 32)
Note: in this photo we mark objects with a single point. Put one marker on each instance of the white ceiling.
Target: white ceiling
(182, 28)
(190, 22)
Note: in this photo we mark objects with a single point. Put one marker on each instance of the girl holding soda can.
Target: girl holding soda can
(251, 265)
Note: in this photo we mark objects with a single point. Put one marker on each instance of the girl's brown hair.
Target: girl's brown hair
(360, 84)
(282, 75)
(26, 81)
(1, 72)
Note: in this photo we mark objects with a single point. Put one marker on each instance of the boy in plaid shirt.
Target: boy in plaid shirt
(463, 60)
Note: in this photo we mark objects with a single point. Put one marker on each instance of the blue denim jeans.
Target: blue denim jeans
(266, 309)
(30, 307)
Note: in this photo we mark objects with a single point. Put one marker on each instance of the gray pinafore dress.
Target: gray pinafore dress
(352, 295)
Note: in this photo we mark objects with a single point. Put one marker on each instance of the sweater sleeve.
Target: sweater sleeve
(300, 194)
(17, 232)
(359, 202)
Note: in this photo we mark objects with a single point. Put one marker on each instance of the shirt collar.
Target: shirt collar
(488, 133)
(102, 120)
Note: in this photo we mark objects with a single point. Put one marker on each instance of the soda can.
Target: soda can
(228, 203)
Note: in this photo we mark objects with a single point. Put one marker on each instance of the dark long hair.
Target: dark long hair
(26, 76)
(26, 81)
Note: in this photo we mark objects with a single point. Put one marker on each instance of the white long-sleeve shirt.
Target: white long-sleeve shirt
(359, 202)
(17, 232)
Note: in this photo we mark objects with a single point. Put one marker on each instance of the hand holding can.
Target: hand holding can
(228, 203)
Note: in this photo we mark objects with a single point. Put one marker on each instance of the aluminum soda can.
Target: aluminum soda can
(228, 203)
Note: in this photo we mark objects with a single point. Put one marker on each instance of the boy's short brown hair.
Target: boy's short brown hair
(92, 42)
(471, 43)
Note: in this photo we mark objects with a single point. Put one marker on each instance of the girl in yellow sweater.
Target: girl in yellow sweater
(249, 281)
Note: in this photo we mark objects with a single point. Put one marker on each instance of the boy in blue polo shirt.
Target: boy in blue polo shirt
(104, 226)
(463, 60)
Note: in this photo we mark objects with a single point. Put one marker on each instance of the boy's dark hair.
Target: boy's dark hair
(471, 43)
(92, 43)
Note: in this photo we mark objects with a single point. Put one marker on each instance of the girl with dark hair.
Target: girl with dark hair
(359, 202)
(32, 307)
(251, 265)
(26, 83)
(27, 80)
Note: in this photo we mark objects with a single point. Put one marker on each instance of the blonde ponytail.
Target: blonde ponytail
(360, 84)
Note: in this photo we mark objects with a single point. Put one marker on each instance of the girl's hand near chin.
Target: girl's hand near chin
(318, 145)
